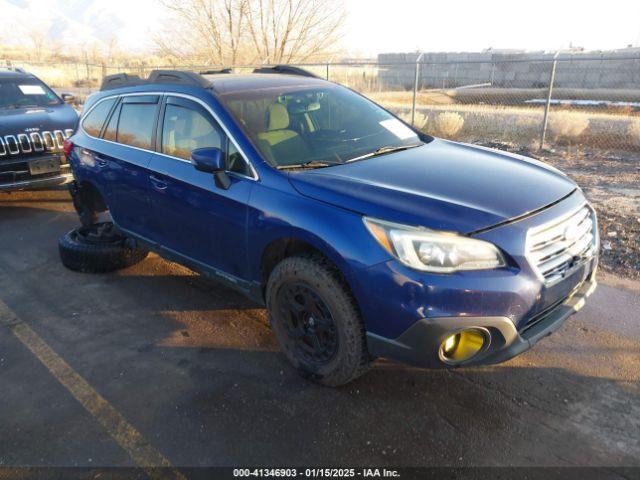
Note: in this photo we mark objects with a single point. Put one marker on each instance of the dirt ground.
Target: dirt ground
(611, 181)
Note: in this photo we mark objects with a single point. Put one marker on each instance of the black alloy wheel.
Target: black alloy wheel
(309, 323)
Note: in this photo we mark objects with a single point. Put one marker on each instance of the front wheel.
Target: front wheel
(316, 320)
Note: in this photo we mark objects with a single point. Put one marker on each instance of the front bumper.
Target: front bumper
(420, 344)
(16, 175)
(408, 313)
(37, 183)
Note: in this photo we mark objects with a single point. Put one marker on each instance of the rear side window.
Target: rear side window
(94, 121)
(136, 123)
(111, 132)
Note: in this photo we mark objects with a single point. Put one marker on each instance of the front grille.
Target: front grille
(543, 315)
(555, 249)
(24, 144)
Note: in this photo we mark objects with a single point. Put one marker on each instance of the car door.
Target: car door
(198, 219)
(129, 137)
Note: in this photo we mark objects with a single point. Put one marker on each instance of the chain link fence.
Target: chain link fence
(547, 102)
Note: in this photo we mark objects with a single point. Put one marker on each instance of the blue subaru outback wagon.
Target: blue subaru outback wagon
(363, 237)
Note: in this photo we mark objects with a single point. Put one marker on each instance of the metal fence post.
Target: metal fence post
(415, 89)
(547, 105)
(327, 71)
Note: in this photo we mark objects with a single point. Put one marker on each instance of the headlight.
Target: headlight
(434, 251)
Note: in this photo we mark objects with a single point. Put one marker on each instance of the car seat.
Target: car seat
(287, 147)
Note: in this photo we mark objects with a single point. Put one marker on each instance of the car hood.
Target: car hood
(441, 185)
(60, 117)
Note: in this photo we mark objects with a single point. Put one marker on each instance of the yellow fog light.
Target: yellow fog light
(463, 345)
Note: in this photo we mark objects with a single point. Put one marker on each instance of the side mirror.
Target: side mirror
(68, 98)
(211, 160)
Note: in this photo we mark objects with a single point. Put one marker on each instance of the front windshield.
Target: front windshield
(316, 126)
(26, 93)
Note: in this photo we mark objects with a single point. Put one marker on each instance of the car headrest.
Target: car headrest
(278, 117)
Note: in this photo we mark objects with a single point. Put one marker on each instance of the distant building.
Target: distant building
(513, 69)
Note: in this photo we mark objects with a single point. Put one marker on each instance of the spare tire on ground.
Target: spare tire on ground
(98, 249)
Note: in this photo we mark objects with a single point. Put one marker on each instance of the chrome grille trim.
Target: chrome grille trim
(38, 144)
(25, 143)
(59, 138)
(11, 140)
(556, 248)
(49, 142)
(33, 142)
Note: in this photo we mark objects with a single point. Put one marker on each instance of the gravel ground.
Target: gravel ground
(611, 181)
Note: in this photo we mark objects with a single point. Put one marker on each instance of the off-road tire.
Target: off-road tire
(81, 255)
(351, 358)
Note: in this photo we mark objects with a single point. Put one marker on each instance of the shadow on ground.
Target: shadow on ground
(195, 368)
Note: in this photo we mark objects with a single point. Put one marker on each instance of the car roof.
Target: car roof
(12, 74)
(220, 84)
(224, 84)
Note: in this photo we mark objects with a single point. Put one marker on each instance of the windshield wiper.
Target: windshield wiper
(383, 150)
(310, 164)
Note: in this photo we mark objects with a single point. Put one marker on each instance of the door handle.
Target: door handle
(101, 161)
(157, 183)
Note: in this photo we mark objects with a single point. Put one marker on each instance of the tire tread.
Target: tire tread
(327, 277)
(86, 257)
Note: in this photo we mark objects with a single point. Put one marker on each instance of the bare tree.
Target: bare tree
(36, 29)
(38, 41)
(285, 31)
(207, 30)
(268, 31)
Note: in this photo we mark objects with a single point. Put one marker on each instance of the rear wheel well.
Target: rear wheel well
(88, 202)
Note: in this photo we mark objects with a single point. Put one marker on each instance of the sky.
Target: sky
(409, 25)
(377, 26)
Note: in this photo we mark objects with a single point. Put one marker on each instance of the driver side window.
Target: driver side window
(187, 126)
(185, 129)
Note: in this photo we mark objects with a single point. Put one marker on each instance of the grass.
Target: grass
(568, 125)
(448, 124)
(509, 96)
(633, 131)
(522, 125)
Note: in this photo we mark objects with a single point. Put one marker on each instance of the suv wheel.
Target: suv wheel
(97, 249)
(316, 320)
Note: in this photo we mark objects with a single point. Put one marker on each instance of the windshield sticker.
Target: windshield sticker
(32, 90)
(398, 128)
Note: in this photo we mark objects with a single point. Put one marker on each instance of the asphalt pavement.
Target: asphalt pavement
(157, 364)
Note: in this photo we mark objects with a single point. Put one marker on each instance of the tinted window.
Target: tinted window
(135, 125)
(235, 161)
(111, 132)
(94, 121)
(294, 125)
(185, 129)
(26, 93)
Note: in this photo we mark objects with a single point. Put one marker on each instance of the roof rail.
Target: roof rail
(179, 77)
(286, 69)
(175, 77)
(13, 69)
(119, 80)
(215, 72)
